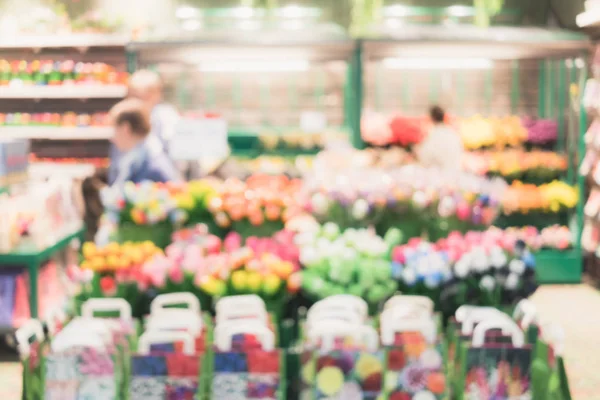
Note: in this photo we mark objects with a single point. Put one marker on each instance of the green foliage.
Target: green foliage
(485, 10)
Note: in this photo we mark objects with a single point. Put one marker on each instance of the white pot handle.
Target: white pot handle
(507, 326)
(263, 334)
(426, 326)
(325, 314)
(402, 312)
(463, 312)
(149, 338)
(170, 299)
(329, 330)
(479, 315)
(225, 327)
(526, 312)
(242, 314)
(419, 301)
(251, 301)
(167, 319)
(92, 306)
(32, 329)
(337, 304)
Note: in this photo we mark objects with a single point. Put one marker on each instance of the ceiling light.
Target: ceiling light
(276, 65)
(438, 63)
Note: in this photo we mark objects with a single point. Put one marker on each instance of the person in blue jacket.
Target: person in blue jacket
(140, 159)
(147, 87)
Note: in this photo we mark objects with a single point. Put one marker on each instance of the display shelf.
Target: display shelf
(77, 40)
(48, 169)
(55, 133)
(29, 256)
(64, 92)
(555, 266)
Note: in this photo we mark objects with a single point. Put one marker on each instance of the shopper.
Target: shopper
(442, 147)
(140, 159)
(147, 86)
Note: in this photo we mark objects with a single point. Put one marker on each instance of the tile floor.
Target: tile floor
(575, 308)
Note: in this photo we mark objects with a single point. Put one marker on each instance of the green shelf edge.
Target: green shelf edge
(27, 257)
(559, 267)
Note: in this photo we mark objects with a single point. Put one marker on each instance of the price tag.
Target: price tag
(313, 122)
(199, 139)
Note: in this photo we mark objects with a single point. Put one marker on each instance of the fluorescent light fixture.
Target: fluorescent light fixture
(438, 63)
(460, 11)
(243, 12)
(275, 65)
(396, 11)
(185, 12)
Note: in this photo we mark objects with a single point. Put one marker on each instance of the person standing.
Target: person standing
(442, 147)
(147, 87)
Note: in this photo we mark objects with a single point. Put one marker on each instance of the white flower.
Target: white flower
(480, 263)
(446, 207)
(420, 199)
(423, 267)
(488, 283)
(309, 256)
(331, 230)
(498, 259)
(461, 269)
(409, 277)
(320, 203)
(304, 239)
(431, 359)
(517, 267)
(512, 282)
(360, 209)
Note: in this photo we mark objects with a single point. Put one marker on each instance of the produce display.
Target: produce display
(69, 119)
(55, 73)
(97, 162)
(307, 141)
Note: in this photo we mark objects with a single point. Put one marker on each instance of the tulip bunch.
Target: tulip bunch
(260, 205)
(114, 270)
(553, 197)
(355, 261)
(534, 166)
(477, 268)
(478, 132)
(147, 203)
(408, 198)
(208, 266)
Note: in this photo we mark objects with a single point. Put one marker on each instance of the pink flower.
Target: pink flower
(176, 274)
(232, 242)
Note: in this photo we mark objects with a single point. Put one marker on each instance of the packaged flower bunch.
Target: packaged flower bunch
(554, 237)
(478, 132)
(260, 206)
(144, 211)
(541, 132)
(114, 270)
(353, 261)
(538, 206)
(478, 268)
(380, 130)
(211, 268)
(532, 167)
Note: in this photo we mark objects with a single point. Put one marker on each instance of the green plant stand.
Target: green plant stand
(28, 256)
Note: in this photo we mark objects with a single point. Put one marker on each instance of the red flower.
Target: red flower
(400, 396)
(263, 362)
(396, 360)
(108, 285)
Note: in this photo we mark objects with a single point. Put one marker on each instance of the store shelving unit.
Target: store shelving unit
(532, 72)
(63, 142)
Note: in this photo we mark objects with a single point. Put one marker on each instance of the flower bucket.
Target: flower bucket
(159, 234)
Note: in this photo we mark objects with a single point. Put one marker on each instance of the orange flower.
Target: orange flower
(436, 383)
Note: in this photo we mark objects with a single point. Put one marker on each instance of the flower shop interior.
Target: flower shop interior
(299, 199)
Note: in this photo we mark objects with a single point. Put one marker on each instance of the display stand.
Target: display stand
(532, 72)
(31, 258)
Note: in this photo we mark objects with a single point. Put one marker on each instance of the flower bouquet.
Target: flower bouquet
(195, 201)
(478, 132)
(479, 268)
(538, 206)
(145, 211)
(115, 270)
(260, 206)
(541, 132)
(532, 167)
(213, 268)
(355, 261)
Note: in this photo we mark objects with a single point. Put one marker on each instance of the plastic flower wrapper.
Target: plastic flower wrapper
(354, 261)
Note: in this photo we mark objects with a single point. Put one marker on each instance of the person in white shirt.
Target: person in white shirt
(442, 147)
